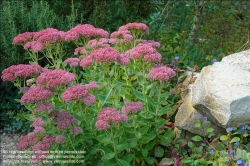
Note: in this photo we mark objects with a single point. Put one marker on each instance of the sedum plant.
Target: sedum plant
(108, 99)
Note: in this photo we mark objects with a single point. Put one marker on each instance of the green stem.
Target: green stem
(114, 145)
(71, 142)
(158, 104)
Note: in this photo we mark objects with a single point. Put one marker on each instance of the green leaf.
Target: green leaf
(133, 144)
(46, 119)
(223, 137)
(128, 157)
(149, 160)
(144, 152)
(123, 162)
(159, 152)
(121, 146)
(104, 138)
(235, 139)
(144, 129)
(198, 124)
(138, 94)
(108, 156)
(138, 135)
(197, 138)
(209, 130)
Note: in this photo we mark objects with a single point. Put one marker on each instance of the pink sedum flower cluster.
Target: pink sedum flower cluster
(123, 60)
(35, 46)
(92, 85)
(21, 70)
(76, 130)
(23, 38)
(49, 35)
(59, 139)
(149, 53)
(132, 107)
(54, 78)
(135, 26)
(89, 99)
(86, 61)
(152, 43)
(35, 93)
(27, 141)
(85, 31)
(161, 73)
(108, 115)
(43, 106)
(121, 36)
(107, 54)
(63, 119)
(80, 50)
(99, 43)
(72, 61)
(75, 92)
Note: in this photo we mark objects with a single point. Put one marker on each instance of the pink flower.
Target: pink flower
(154, 57)
(85, 31)
(89, 99)
(53, 78)
(122, 34)
(135, 26)
(43, 106)
(35, 46)
(149, 53)
(106, 54)
(24, 89)
(38, 122)
(72, 61)
(23, 37)
(102, 125)
(21, 70)
(102, 42)
(92, 85)
(109, 115)
(75, 92)
(124, 118)
(49, 35)
(123, 60)
(79, 50)
(161, 73)
(34, 94)
(64, 120)
(76, 130)
(60, 139)
(27, 141)
(151, 43)
(132, 107)
(39, 130)
(86, 61)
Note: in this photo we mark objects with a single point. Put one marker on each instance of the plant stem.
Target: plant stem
(114, 145)
(71, 143)
(157, 106)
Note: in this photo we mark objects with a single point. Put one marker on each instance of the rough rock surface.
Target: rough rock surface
(222, 93)
(240, 60)
(187, 117)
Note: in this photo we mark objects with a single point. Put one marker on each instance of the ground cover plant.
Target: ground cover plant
(109, 100)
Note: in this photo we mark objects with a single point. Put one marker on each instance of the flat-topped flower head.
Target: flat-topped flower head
(59, 139)
(64, 120)
(125, 34)
(86, 61)
(102, 42)
(161, 73)
(151, 43)
(109, 114)
(123, 60)
(38, 122)
(80, 50)
(135, 26)
(72, 61)
(27, 141)
(85, 31)
(75, 92)
(53, 78)
(132, 107)
(49, 35)
(146, 51)
(106, 54)
(43, 106)
(34, 46)
(21, 70)
(76, 130)
(23, 38)
(89, 99)
(102, 125)
(35, 93)
(92, 85)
